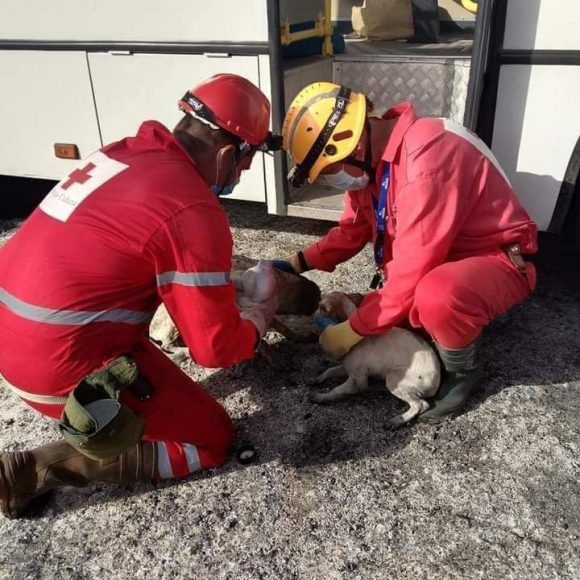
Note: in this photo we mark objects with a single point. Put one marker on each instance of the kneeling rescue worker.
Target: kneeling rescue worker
(449, 233)
(137, 223)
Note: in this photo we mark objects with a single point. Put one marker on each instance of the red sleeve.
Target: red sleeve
(429, 214)
(193, 253)
(345, 240)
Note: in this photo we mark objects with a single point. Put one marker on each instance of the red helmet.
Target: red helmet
(232, 103)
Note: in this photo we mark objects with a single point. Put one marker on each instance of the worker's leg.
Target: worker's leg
(186, 430)
(192, 430)
(454, 303)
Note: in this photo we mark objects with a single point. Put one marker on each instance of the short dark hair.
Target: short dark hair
(203, 136)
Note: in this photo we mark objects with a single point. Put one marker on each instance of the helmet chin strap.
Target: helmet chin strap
(366, 164)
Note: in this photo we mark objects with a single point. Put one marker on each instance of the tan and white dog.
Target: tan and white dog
(407, 363)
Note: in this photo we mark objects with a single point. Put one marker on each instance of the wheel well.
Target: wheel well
(21, 195)
(571, 229)
(567, 205)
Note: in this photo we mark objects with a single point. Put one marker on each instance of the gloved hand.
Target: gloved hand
(323, 322)
(260, 313)
(293, 264)
(284, 265)
(338, 339)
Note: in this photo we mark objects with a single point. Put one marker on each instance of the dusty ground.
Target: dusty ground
(493, 494)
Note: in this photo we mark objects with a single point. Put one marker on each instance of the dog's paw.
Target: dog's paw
(311, 381)
(395, 423)
(178, 354)
(268, 354)
(317, 398)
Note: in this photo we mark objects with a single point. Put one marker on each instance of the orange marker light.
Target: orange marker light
(66, 151)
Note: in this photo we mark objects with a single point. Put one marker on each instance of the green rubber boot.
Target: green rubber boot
(461, 377)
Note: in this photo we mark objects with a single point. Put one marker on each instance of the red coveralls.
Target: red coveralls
(450, 211)
(79, 282)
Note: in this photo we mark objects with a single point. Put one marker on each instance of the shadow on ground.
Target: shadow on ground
(535, 343)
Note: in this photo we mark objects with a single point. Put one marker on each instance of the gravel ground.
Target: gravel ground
(493, 494)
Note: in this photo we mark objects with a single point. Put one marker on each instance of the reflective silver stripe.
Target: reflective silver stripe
(194, 278)
(33, 398)
(163, 462)
(70, 317)
(192, 456)
(464, 133)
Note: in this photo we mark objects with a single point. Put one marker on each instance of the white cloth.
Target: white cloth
(257, 298)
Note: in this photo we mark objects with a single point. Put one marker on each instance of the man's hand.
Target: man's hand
(323, 322)
(295, 264)
(338, 339)
(260, 313)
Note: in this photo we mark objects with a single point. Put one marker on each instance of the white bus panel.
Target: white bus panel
(135, 20)
(132, 88)
(46, 98)
(542, 25)
(537, 124)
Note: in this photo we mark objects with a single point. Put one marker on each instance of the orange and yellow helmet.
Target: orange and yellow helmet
(322, 126)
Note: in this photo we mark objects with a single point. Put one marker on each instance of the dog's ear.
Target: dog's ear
(342, 306)
(356, 298)
(331, 305)
(322, 308)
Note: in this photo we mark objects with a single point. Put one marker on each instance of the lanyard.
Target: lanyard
(381, 214)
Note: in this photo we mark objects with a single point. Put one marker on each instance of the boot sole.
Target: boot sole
(12, 506)
(437, 420)
(4, 493)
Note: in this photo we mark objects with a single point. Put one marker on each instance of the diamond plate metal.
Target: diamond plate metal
(435, 84)
(437, 88)
(308, 72)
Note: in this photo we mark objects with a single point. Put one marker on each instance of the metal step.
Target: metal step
(316, 202)
(450, 46)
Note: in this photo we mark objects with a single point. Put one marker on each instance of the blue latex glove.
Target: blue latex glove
(324, 321)
(283, 265)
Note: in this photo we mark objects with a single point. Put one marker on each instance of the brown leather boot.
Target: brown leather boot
(28, 474)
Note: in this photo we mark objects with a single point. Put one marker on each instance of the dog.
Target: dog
(408, 364)
(297, 296)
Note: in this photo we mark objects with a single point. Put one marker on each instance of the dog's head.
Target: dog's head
(338, 305)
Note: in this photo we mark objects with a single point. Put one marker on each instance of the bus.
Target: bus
(78, 75)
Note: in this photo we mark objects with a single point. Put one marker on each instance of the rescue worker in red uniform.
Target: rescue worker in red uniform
(136, 224)
(449, 233)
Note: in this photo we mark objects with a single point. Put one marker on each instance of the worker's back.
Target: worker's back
(77, 284)
(487, 213)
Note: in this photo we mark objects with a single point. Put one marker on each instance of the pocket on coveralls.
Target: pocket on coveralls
(94, 421)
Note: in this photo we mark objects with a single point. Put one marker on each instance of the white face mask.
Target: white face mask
(344, 181)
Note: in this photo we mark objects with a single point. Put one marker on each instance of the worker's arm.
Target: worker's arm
(429, 214)
(192, 254)
(347, 239)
